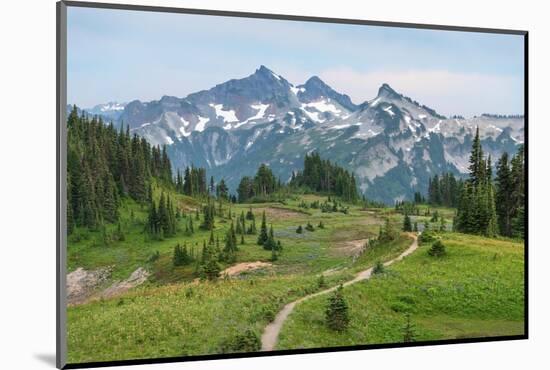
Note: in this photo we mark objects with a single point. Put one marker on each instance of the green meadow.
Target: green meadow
(474, 291)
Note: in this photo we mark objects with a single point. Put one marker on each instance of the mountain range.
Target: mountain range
(392, 143)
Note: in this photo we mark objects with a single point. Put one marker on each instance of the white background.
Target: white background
(27, 181)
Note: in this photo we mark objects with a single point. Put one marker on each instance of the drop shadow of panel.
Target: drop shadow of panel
(46, 358)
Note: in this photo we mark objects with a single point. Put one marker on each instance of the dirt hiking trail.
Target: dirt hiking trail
(271, 331)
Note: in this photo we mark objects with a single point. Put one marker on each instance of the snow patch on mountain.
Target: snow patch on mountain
(227, 115)
(185, 123)
(112, 107)
(183, 132)
(374, 103)
(261, 108)
(296, 90)
(201, 124)
(388, 110)
(323, 106)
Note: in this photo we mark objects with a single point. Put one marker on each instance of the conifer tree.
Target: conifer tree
(378, 268)
(476, 211)
(103, 166)
(262, 238)
(250, 214)
(191, 229)
(323, 176)
(252, 228)
(518, 194)
(407, 223)
(336, 313)
(408, 330)
(178, 258)
(208, 213)
(230, 245)
(270, 243)
(212, 186)
(243, 224)
(503, 199)
(476, 158)
(437, 249)
(211, 240)
(211, 269)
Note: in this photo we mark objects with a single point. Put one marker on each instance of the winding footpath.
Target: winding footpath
(271, 331)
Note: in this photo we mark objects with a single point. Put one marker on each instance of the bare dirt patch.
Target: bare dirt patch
(82, 284)
(332, 271)
(370, 221)
(279, 213)
(350, 248)
(239, 268)
(86, 285)
(137, 277)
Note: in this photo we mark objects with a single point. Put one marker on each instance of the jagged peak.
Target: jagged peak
(316, 81)
(315, 87)
(386, 91)
(266, 72)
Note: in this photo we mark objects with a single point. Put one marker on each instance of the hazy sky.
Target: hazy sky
(116, 55)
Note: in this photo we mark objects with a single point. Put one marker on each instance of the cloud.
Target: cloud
(446, 91)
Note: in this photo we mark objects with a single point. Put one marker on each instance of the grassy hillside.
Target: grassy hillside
(174, 315)
(181, 319)
(476, 290)
(306, 252)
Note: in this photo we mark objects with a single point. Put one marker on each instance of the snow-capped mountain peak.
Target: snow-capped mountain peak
(109, 111)
(262, 118)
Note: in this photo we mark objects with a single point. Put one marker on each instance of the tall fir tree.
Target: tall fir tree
(262, 237)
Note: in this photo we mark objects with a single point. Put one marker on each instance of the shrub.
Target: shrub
(245, 342)
(299, 230)
(155, 256)
(78, 235)
(321, 283)
(408, 330)
(387, 232)
(336, 314)
(378, 268)
(211, 270)
(269, 312)
(119, 235)
(406, 298)
(400, 307)
(407, 225)
(189, 292)
(437, 249)
(249, 214)
(309, 227)
(426, 237)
